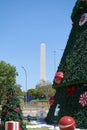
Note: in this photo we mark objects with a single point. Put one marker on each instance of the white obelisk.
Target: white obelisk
(42, 62)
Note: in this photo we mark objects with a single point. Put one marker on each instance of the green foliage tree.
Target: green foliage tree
(11, 110)
(7, 77)
(45, 91)
(18, 90)
(42, 92)
(33, 93)
(71, 92)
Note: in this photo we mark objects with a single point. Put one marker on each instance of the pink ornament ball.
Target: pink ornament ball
(58, 77)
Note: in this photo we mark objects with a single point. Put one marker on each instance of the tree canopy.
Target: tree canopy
(7, 77)
(42, 92)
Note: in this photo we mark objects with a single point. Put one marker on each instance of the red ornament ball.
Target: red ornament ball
(71, 90)
(84, 0)
(9, 96)
(16, 109)
(5, 111)
(58, 77)
(67, 123)
(51, 100)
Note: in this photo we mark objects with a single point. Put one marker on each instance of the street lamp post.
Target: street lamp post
(55, 51)
(54, 60)
(25, 82)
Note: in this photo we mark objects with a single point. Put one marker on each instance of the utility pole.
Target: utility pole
(25, 82)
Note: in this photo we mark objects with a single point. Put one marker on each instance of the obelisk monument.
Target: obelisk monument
(42, 62)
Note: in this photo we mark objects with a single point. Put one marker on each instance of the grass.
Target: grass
(42, 128)
(28, 123)
(33, 124)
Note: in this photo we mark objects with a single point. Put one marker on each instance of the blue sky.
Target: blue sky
(24, 25)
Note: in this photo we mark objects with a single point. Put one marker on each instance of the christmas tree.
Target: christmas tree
(11, 110)
(70, 80)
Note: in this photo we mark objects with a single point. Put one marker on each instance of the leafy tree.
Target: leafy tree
(18, 90)
(33, 93)
(43, 83)
(46, 91)
(42, 91)
(7, 77)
